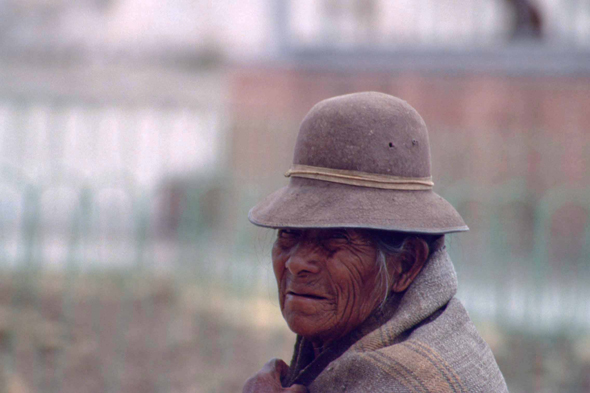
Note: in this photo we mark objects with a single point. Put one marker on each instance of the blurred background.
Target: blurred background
(136, 134)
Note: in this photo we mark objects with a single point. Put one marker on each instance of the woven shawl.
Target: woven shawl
(421, 341)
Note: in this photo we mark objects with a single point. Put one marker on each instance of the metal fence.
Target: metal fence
(104, 265)
(534, 291)
(115, 277)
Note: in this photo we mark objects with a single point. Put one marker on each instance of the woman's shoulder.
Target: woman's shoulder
(442, 354)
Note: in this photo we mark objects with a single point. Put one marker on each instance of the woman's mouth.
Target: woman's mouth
(306, 295)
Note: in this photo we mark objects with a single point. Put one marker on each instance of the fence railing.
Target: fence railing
(532, 290)
(110, 285)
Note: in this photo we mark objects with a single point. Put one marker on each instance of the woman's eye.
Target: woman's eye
(339, 235)
(289, 233)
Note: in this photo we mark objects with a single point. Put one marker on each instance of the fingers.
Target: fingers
(268, 379)
(281, 368)
(297, 389)
(276, 366)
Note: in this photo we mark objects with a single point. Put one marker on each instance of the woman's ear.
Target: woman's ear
(409, 263)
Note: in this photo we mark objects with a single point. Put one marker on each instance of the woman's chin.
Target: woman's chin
(306, 326)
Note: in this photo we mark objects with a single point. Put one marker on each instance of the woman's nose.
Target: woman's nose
(304, 259)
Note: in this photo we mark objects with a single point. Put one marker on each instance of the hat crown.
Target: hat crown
(366, 132)
(361, 161)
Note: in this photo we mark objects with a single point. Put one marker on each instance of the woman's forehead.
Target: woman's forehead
(322, 232)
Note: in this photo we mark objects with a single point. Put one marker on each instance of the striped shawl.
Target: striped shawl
(422, 341)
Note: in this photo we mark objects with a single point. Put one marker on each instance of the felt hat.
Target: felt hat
(361, 161)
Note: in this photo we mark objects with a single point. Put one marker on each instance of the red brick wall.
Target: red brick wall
(484, 128)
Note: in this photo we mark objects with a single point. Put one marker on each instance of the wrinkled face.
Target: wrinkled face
(327, 279)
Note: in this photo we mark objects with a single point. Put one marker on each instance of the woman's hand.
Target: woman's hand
(268, 379)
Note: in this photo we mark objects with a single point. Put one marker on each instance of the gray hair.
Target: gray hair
(392, 243)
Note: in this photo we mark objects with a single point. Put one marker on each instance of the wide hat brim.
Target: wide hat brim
(310, 203)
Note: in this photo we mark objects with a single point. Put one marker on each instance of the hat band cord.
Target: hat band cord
(361, 179)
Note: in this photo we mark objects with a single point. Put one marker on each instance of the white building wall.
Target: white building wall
(248, 28)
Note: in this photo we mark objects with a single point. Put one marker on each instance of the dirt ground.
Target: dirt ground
(133, 336)
(129, 334)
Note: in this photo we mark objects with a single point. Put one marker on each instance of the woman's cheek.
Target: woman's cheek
(278, 261)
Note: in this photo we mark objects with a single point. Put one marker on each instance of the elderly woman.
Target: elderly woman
(364, 279)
